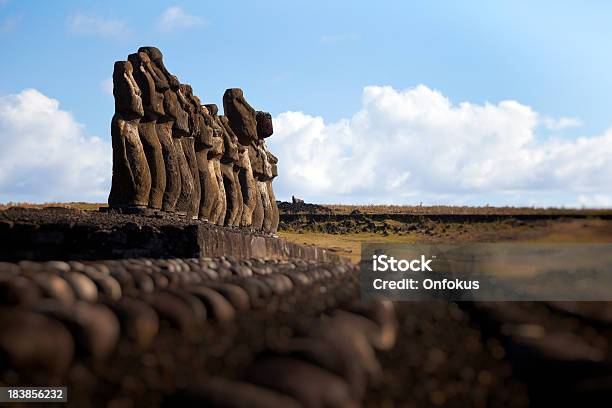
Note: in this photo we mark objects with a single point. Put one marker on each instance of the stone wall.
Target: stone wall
(67, 234)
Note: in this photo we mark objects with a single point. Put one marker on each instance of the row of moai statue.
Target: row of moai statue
(172, 153)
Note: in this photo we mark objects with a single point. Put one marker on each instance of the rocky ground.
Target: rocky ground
(260, 332)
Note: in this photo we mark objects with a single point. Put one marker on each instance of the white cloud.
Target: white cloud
(107, 86)
(46, 155)
(561, 123)
(175, 17)
(95, 25)
(416, 145)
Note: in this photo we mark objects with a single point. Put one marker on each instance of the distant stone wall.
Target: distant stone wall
(66, 234)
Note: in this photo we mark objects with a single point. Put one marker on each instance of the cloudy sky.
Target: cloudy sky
(472, 102)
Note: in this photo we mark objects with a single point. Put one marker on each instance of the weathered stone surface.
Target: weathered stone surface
(231, 184)
(197, 128)
(275, 215)
(262, 178)
(183, 203)
(34, 345)
(172, 125)
(152, 102)
(131, 182)
(264, 124)
(247, 187)
(215, 153)
(257, 167)
(94, 235)
(199, 164)
(308, 384)
(241, 116)
(171, 163)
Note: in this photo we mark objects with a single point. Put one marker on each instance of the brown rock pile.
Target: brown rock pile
(150, 332)
(173, 154)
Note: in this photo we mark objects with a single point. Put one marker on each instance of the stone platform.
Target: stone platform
(69, 234)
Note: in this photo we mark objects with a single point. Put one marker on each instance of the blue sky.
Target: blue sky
(317, 57)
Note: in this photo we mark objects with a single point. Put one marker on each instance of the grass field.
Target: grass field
(551, 231)
(78, 205)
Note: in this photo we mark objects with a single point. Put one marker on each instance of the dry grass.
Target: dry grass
(549, 231)
(79, 206)
(346, 245)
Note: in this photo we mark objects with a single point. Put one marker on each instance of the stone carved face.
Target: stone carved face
(241, 115)
(217, 149)
(158, 59)
(152, 100)
(161, 83)
(212, 109)
(126, 91)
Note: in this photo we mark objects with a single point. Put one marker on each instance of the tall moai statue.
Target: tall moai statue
(195, 128)
(229, 169)
(242, 121)
(247, 186)
(209, 189)
(265, 130)
(131, 181)
(214, 156)
(262, 187)
(152, 102)
(166, 128)
(257, 164)
(275, 212)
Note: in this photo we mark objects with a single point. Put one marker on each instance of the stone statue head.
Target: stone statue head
(156, 56)
(152, 100)
(212, 108)
(217, 149)
(240, 115)
(126, 91)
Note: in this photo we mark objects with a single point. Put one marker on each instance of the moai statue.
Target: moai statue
(275, 213)
(214, 161)
(264, 180)
(241, 118)
(152, 102)
(209, 188)
(196, 126)
(247, 186)
(229, 160)
(170, 128)
(262, 187)
(257, 164)
(131, 182)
